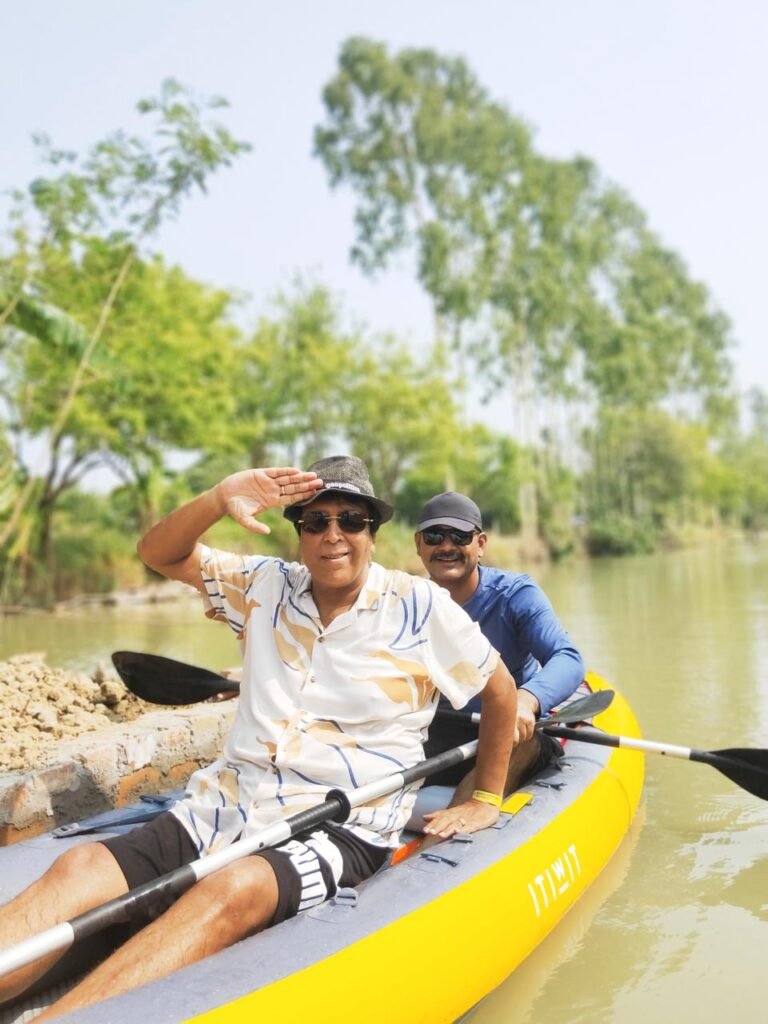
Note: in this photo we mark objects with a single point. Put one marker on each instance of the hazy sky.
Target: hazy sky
(668, 98)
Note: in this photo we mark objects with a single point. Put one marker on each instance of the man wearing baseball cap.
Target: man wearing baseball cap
(516, 616)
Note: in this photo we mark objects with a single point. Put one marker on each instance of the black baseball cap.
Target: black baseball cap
(450, 509)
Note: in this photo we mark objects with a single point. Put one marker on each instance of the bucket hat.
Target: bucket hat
(342, 474)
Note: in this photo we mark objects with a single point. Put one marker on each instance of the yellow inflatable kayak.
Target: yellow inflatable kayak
(426, 938)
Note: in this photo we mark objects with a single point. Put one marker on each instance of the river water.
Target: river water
(677, 925)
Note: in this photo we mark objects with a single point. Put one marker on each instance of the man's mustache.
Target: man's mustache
(447, 556)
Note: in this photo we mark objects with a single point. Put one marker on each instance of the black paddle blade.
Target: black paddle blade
(746, 767)
(165, 681)
(581, 709)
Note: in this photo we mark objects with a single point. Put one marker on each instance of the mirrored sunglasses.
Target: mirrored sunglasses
(349, 521)
(436, 535)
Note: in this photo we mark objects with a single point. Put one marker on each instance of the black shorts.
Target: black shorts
(309, 868)
(445, 734)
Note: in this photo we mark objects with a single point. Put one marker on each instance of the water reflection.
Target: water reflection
(685, 636)
(515, 1001)
(81, 640)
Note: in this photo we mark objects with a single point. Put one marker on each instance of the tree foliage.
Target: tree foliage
(90, 215)
(293, 372)
(548, 274)
(650, 473)
(400, 413)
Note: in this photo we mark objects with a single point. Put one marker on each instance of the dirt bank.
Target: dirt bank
(40, 706)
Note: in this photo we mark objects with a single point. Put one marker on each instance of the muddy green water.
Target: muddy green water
(677, 926)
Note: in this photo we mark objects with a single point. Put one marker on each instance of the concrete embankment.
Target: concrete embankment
(75, 745)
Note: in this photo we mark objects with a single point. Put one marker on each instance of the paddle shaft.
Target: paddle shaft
(336, 807)
(586, 734)
(747, 767)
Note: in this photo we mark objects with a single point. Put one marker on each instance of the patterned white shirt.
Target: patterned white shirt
(325, 708)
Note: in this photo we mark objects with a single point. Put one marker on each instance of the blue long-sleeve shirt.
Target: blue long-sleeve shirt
(516, 616)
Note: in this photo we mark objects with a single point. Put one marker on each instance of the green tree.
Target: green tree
(8, 474)
(432, 160)
(744, 493)
(399, 412)
(655, 335)
(292, 374)
(547, 276)
(306, 383)
(117, 194)
(651, 473)
(161, 381)
(484, 464)
(441, 170)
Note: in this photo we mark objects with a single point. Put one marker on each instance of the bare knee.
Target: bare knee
(85, 876)
(79, 859)
(79, 879)
(242, 897)
(85, 860)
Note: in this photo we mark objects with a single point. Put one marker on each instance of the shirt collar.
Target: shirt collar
(367, 599)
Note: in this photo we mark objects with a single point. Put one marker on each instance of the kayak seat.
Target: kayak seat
(428, 799)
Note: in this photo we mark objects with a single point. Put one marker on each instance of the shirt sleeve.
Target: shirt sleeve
(232, 584)
(562, 666)
(459, 658)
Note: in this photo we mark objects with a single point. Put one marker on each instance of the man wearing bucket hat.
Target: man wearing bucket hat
(515, 615)
(343, 664)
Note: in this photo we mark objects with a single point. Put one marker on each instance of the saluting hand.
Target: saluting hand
(247, 494)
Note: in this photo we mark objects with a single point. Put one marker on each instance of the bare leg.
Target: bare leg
(80, 879)
(218, 911)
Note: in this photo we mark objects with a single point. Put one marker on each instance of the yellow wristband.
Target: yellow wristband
(487, 798)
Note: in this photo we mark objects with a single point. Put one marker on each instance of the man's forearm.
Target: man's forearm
(497, 732)
(560, 676)
(170, 545)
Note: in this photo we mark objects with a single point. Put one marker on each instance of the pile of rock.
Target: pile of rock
(40, 706)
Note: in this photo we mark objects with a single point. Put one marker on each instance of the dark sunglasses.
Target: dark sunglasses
(437, 535)
(349, 521)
